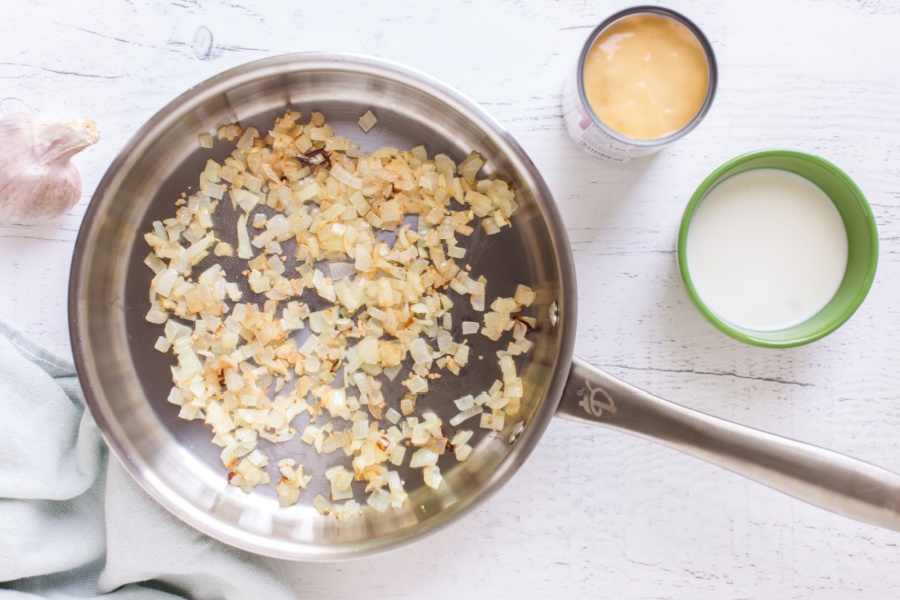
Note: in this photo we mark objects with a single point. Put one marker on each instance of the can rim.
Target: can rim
(710, 92)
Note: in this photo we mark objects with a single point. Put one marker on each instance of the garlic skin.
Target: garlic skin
(37, 179)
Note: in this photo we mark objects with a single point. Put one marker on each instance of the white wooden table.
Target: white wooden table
(593, 513)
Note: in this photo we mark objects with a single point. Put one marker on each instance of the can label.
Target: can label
(593, 139)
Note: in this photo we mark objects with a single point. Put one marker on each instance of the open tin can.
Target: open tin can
(599, 139)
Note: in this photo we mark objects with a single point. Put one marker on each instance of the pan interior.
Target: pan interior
(127, 381)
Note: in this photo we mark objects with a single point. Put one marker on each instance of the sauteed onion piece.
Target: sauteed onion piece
(351, 261)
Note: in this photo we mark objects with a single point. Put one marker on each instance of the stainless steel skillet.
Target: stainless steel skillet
(126, 381)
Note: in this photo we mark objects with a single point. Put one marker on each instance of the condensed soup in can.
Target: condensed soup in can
(645, 78)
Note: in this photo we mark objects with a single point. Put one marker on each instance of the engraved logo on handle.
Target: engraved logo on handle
(591, 404)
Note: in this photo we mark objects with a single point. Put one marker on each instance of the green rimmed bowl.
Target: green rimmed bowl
(862, 240)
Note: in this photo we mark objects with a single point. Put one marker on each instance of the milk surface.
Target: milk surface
(766, 249)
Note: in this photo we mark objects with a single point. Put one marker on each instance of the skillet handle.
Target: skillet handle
(823, 478)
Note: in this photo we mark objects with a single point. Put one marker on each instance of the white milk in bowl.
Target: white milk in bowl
(766, 249)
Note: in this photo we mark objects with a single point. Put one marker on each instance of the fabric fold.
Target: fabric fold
(73, 524)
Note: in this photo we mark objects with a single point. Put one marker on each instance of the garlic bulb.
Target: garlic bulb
(37, 179)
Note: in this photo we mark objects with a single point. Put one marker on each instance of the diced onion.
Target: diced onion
(270, 366)
(367, 121)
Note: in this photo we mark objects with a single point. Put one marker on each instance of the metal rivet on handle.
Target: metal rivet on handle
(554, 313)
(517, 431)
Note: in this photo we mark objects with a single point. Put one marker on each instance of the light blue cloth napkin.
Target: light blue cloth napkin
(72, 522)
